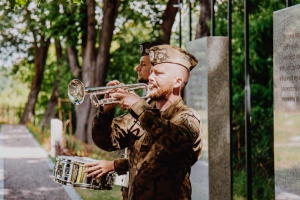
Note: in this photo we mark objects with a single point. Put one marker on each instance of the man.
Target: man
(164, 140)
(121, 165)
(144, 67)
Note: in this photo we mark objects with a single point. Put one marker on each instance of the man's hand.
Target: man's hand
(109, 107)
(127, 99)
(99, 168)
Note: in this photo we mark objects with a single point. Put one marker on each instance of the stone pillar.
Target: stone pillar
(286, 83)
(208, 93)
(56, 135)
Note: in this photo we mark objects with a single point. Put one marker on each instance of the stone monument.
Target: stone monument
(56, 135)
(208, 93)
(286, 53)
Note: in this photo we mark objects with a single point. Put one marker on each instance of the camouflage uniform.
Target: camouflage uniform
(121, 165)
(162, 147)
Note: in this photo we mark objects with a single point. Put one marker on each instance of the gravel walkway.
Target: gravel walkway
(26, 170)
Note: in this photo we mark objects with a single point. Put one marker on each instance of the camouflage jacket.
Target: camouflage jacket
(162, 147)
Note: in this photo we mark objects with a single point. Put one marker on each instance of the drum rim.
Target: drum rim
(76, 159)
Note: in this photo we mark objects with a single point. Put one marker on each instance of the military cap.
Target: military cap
(172, 54)
(144, 47)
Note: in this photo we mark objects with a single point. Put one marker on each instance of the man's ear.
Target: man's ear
(177, 82)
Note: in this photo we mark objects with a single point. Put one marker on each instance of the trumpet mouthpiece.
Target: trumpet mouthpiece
(151, 86)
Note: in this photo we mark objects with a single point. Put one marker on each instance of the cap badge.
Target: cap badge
(147, 51)
(151, 55)
(141, 48)
(160, 55)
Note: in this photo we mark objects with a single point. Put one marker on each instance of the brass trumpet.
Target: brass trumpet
(77, 92)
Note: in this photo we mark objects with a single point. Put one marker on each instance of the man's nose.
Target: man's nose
(138, 68)
(150, 78)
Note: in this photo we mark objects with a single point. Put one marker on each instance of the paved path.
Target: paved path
(26, 170)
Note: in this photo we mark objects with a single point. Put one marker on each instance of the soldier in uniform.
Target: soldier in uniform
(121, 165)
(163, 140)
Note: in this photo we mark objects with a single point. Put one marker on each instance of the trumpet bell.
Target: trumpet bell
(76, 91)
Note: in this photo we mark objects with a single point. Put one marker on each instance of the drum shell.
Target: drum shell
(69, 170)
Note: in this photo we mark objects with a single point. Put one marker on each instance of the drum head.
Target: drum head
(76, 159)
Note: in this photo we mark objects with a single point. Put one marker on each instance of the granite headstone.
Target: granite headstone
(286, 52)
(208, 93)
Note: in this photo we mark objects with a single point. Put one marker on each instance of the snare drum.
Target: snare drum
(69, 170)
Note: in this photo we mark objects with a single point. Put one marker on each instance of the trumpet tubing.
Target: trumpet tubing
(77, 92)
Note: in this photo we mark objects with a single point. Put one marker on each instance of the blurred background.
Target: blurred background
(44, 44)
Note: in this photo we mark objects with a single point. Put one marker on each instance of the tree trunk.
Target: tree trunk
(168, 21)
(205, 16)
(71, 50)
(50, 111)
(88, 73)
(73, 61)
(110, 12)
(40, 56)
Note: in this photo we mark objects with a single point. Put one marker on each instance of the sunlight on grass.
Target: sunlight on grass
(238, 198)
(114, 194)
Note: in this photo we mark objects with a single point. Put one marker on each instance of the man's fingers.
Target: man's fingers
(91, 164)
(94, 173)
(92, 167)
(117, 95)
(98, 176)
(113, 82)
(88, 164)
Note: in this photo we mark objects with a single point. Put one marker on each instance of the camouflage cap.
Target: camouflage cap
(144, 47)
(172, 54)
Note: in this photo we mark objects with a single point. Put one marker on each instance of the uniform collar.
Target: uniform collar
(173, 108)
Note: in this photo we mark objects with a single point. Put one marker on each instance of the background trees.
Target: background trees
(97, 41)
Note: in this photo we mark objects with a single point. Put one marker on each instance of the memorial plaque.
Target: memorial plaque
(286, 36)
(208, 92)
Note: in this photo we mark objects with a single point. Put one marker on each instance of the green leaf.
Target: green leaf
(21, 2)
(76, 1)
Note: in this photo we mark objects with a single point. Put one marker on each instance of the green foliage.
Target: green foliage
(20, 74)
(138, 27)
(239, 187)
(76, 1)
(149, 13)
(13, 3)
(17, 4)
(66, 21)
(261, 84)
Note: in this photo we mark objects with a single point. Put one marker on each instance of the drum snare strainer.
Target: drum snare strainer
(69, 170)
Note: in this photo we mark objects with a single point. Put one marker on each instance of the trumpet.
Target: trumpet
(77, 92)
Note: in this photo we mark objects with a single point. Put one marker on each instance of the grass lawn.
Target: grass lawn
(114, 194)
